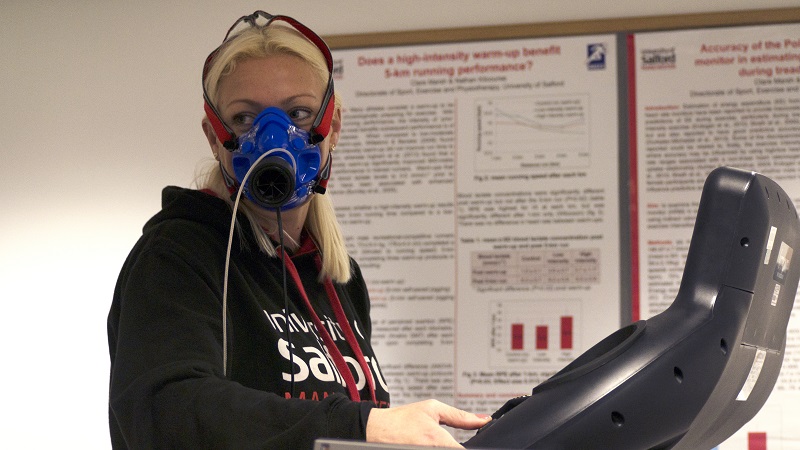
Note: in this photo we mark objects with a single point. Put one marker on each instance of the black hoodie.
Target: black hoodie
(167, 384)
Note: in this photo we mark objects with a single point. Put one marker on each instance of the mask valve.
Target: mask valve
(285, 165)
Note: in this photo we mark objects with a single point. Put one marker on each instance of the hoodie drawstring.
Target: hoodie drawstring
(333, 350)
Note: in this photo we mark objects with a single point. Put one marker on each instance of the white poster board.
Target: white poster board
(477, 184)
(702, 99)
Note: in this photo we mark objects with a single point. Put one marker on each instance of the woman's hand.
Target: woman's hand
(419, 424)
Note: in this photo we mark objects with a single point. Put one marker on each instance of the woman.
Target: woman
(255, 334)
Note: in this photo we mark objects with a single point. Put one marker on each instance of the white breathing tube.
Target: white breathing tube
(227, 266)
(227, 269)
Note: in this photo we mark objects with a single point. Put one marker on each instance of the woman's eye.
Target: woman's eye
(243, 121)
(300, 116)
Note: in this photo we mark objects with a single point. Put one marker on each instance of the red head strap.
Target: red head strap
(322, 123)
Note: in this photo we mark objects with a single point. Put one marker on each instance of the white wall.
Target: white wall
(101, 108)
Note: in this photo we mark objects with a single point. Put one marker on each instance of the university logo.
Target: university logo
(596, 56)
(659, 58)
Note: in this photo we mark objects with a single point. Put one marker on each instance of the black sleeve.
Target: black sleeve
(167, 388)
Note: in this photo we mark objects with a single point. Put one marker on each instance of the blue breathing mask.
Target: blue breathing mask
(285, 166)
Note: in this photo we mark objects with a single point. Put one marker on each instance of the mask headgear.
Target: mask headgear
(258, 187)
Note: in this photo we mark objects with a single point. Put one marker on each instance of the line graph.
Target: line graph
(506, 119)
(532, 133)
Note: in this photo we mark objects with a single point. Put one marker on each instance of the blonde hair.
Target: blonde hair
(321, 223)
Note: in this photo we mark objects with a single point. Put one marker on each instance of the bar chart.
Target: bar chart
(533, 331)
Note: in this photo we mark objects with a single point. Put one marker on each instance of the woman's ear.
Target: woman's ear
(336, 126)
(211, 135)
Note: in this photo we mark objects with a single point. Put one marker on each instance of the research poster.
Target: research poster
(703, 99)
(477, 185)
